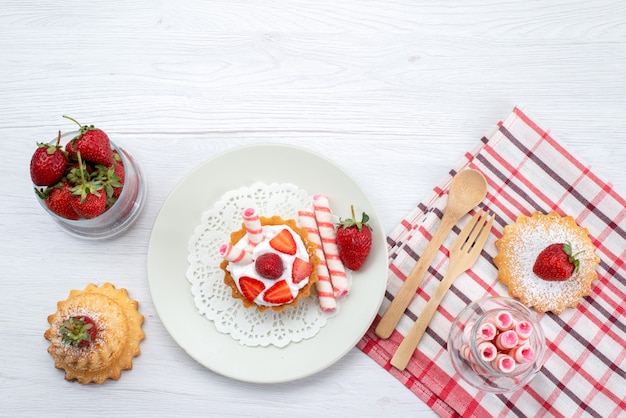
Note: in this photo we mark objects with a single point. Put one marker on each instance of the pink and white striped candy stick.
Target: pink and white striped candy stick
(503, 363)
(486, 332)
(524, 353)
(467, 331)
(487, 351)
(524, 329)
(323, 286)
(252, 223)
(504, 320)
(328, 235)
(466, 353)
(235, 254)
(506, 340)
(478, 369)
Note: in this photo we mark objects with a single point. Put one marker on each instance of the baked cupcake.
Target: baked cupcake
(95, 333)
(269, 262)
(547, 261)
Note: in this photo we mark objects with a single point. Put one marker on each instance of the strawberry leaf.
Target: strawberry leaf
(347, 223)
(567, 248)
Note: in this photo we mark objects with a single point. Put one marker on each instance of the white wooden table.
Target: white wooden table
(393, 91)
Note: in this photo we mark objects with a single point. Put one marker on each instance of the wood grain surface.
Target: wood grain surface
(393, 91)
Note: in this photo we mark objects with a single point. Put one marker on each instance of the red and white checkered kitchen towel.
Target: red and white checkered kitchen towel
(584, 373)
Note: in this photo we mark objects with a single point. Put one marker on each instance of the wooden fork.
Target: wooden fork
(463, 254)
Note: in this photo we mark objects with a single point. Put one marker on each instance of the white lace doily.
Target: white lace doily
(213, 298)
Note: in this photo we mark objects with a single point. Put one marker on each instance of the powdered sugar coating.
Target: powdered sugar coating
(77, 312)
(518, 249)
(119, 332)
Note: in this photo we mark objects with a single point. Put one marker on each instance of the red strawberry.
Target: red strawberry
(284, 242)
(301, 270)
(48, 164)
(73, 172)
(109, 180)
(556, 262)
(57, 199)
(354, 241)
(88, 197)
(93, 144)
(118, 169)
(90, 204)
(89, 168)
(70, 150)
(269, 265)
(278, 294)
(250, 288)
(78, 331)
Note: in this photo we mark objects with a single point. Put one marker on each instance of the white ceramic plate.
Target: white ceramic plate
(167, 264)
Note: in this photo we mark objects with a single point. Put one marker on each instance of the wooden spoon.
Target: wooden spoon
(467, 190)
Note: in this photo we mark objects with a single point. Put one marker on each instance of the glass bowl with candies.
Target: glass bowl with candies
(496, 344)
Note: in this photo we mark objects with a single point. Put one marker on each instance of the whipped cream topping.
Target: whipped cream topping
(238, 270)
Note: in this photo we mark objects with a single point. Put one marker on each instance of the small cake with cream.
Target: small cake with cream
(269, 263)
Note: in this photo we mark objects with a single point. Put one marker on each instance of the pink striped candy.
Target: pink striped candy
(235, 254)
(486, 332)
(324, 287)
(524, 329)
(466, 353)
(523, 353)
(252, 223)
(326, 227)
(487, 351)
(503, 363)
(506, 340)
(504, 321)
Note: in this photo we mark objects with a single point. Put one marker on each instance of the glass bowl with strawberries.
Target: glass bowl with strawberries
(92, 187)
(496, 344)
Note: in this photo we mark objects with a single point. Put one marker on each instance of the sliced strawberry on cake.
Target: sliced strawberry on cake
(278, 294)
(284, 242)
(300, 270)
(251, 288)
(269, 262)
